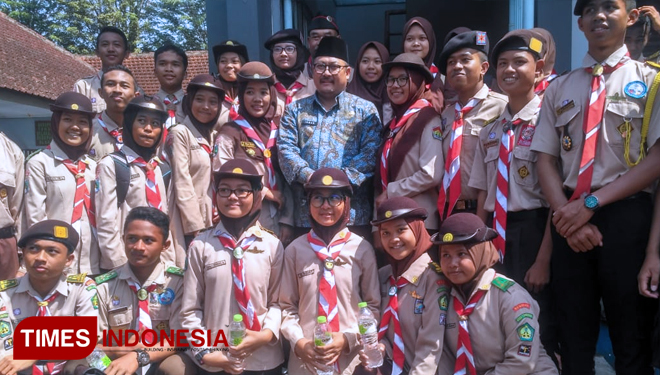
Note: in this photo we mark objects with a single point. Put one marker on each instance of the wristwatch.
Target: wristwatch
(142, 357)
(591, 202)
(201, 355)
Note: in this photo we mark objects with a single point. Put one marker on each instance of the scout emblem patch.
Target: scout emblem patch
(142, 294)
(3, 193)
(443, 319)
(526, 135)
(437, 133)
(9, 343)
(443, 302)
(523, 172)
(60, 232)
(525, 350)
(481, 38)
(636, 89)
(166, 297)
(566, 142)
(448, 237)
(419, 306)
(524, 316)
(238, 252)
(327, 180)
(95, 302)
(5, 329)
(491, 135)
(329, 264)
(17, 311)
(392, 291)
(8, 284)
(519, 306)
(526, 332)
(115, 301)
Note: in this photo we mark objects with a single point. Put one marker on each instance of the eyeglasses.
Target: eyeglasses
(332, 69)
(239, 193)
(334, 200)
(288, 49)
(400, 81)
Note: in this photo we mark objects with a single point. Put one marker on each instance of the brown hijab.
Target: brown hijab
(204, 128)
(430, 34)
(72, 152)
(326, 233)
(236, 226)
(484, 255)
(374, 92)
(423, 244)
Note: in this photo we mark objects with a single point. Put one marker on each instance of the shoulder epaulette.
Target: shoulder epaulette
(77, 279)
(654, 55)
(495, 94)
(33, 154)
(267, 230)
(491, 120)
(105, 277)
(8, 284)
(502, 283)
(174, 270)
(435, 267)
(651, 63)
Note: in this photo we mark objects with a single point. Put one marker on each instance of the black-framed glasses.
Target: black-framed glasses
(334, 200)
(288, 49)
(332, 69)
(400, 81)
(239, 193)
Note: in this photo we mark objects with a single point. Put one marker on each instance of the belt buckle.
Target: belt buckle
(460, 205)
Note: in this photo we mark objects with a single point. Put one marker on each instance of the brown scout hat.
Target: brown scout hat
(476, 40)
(73, 102)
(256, 71)
(409, 61)
(239, 168)
(230, 46)
(520, 40)
(550, 56)
(463, 228)
(206, 81)
(329, 178)
(286, 35)
(398, 208)
(149, 103)
(53, 230)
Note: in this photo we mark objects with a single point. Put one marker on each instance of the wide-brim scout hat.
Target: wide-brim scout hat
(206, 81)
(329, 178)
(239, 168)
(322, 22)
(73, 102)
(287, 35)
(398, 208)
(520, 40)
(463, 228)
(230, 46)
(409, 61)
(52, 230)
(150, 103)
(476, 40)
(256, 71)
(332, 46)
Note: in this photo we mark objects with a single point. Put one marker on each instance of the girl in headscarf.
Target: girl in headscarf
(411, 321)
(189, 149)
(59, 178)
(411, 162)
(252, 136)
(492, 322)
(235, 268)
(132, 177)
(369, 83)
(328, 255)
(230, 56)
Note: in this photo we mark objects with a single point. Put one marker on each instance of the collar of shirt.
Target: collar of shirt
(338, 100)
(24, 286)
(612, 60)
(161, 94)
(253, 230)
(414, 272)
(99, 75)
(484, 284)
(527, 113)
(195, 133)
(132, 155)
(157, 275)
(109, 122)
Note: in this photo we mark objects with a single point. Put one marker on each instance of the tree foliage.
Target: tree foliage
(148, 24)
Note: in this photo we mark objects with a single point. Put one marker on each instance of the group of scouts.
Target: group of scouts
(502, 202)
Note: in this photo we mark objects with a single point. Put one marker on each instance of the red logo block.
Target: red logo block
(55, 337)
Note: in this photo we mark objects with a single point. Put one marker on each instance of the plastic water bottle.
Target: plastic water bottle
(98, 360)
(369, 336)
(323, 337)
(237, 334)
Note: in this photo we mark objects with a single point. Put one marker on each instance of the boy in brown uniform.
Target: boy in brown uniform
(591, 123)
(170, 66)
(464, 61)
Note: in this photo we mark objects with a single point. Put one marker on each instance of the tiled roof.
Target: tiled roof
(142, 66)
(31, 64)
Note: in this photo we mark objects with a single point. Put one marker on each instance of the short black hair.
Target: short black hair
(174, 48)
(123, 69)
(151, 215)
(643, 24)
(630, 5)
(112, 29)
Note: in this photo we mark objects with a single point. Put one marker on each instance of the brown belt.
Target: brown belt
(7, 232)
(466, 204)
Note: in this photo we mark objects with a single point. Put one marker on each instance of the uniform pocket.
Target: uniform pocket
(621, 118)
(522, 166)
(121, 318)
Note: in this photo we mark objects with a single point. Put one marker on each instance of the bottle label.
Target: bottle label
(106, 361)
(367, 330)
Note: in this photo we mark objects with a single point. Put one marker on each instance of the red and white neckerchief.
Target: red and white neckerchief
(233, 107)
(170, 102)
(142, 293)
(545, 82)
(81, 198)
(115, 133)
(464, 354)
(434, 70)
(151, 187)
(392, 313)
(451, 182)
(395, 127)
(290, 92)
(593, 121)
(327, 289)
(51, 367)
(271, 182)
(241, 291)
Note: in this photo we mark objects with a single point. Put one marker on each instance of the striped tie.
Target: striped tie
(81, 198)
(170, 102)
(592, 124)
(241, 291)
(451, 182)
(51, 368)
(327, 288)
(392, 313)
(464, 354)
(288, 93)
(233, 108)
(144, 319)
(153, 193)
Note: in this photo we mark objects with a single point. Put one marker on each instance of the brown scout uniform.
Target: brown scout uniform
(504, 331)
(486, 112)
(102, 142)
(50, 194)
(90, 86)
(162, 95)
(356, 279)
(190, 193)
(11, 199)
(210, 303)
(110, 218)
(422, 321)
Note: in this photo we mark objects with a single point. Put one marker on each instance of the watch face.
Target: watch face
(591, 202)
(143, 358)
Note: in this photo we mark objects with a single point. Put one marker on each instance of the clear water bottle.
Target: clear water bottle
(323, 337)
(98, 360)
(237, 334)
(369, 336)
